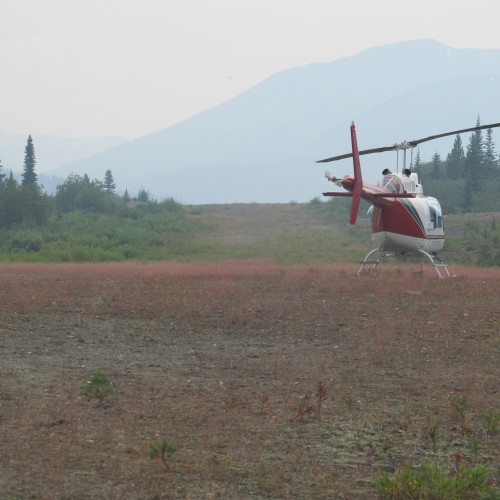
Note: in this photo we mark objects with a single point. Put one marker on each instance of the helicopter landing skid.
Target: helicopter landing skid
(375, 262)
(435, 261)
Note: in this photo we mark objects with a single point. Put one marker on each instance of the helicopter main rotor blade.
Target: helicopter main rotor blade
(409, 144)
(364, 152)
(455, 132)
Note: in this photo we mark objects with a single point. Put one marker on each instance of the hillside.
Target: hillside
(261, 146)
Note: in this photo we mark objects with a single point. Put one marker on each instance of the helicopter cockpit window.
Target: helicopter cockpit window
(392, 183)
(436, 217)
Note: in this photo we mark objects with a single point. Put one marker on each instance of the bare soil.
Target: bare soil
(228, 360)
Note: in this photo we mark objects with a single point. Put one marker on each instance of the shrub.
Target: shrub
(98, 387)
(434, 481)
(162, 449)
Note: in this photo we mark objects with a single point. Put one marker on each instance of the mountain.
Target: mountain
(261, 146)
(50, 151)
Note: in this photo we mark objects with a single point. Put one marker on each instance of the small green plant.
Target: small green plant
(98, 387)
(475, 446)
(458, 406)
(434, 481)
(491, 421)
(386, 446)
(433, 434)
(161, 450)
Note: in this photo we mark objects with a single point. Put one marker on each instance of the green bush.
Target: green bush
(434, 482)
(161, 450)
(98, 387)
(24, 240)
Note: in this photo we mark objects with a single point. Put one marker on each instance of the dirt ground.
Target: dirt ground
(274, 381)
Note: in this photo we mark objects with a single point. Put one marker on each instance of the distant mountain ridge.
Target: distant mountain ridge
(261, 146)
(50, 151)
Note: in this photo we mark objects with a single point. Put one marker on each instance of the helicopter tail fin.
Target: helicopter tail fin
(358, 179)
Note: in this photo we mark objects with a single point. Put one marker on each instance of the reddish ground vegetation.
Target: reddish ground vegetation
(275, 381)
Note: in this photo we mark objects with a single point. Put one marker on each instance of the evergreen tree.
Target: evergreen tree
(29, 177)
(455, 160)
(126, 196)
(109, 182)
(474, 159)
(11, 182)
(436, 166)
(143, 196)
(2, 176)
(490, 159)
(417, 163)
(474, 167)
(2, 195)
(11, 211)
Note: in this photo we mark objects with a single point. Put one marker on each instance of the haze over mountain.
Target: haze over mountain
(51, 151)
(261, 146)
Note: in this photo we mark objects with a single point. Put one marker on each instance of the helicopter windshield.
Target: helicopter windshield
(392, 183)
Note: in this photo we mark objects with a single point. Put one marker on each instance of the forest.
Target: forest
(86, 220)
(467, 180)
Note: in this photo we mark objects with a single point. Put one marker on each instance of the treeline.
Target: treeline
(85, 220)
(468, 179)
(25, 203)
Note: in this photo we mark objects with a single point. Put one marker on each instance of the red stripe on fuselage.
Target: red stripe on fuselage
(389, 214)
(396, 218)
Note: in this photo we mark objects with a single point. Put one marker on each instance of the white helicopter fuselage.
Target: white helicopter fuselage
(406, 224)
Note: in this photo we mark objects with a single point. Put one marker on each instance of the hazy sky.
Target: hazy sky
(91, 68)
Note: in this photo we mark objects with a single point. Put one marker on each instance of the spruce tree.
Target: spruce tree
(2, 196)
(474, 167)
(474, 159)
(29, 177)
(436, 166)
(143, 196)
(109, 182)
(2, 176)
(12, 209)
(417, 164)
(455, 159)
(490, 159)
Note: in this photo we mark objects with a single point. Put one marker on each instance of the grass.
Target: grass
(435, 482)
(286, 233)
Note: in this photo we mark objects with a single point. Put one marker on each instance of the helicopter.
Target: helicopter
(403, 221)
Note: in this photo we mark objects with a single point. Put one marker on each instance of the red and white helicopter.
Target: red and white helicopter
(403, 220)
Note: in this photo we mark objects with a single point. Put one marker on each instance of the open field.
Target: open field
(228, 359)
(284, 233)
